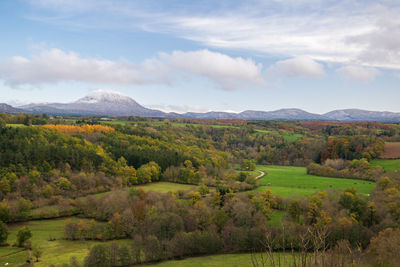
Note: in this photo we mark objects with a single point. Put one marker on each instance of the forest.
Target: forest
(128, 191)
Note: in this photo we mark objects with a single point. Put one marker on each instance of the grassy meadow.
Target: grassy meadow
(53, 252)
(165, 187)
(289, 180)
(387, 164)
(229, 260)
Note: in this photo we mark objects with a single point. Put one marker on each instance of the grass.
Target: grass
(291, 137)
(387, 164)
(165, 187)
(53, 252)
(226, 260)
(288, 180)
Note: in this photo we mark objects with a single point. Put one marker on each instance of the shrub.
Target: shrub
(23, 235)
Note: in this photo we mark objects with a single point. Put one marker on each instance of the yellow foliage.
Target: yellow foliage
(86, 128)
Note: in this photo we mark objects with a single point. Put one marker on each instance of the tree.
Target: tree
(384, 249)
(4, 186)
(3, 232)
(98, 256)
(247, 165)
(2, 123)
(4, 211)
(152, 248)
(125, 258)
(203, 189)
(294, 210)
(23, 235)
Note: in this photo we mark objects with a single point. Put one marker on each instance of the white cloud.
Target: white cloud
(364, 32)
(362, 74)
(299, 67)
(53, 66)
(380, 46)
(230, 73)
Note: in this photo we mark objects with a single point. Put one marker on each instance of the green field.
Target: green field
(53, 252)
(387, 164)
(288, 136)
(288, 180)
(227, 260)
(165, 187)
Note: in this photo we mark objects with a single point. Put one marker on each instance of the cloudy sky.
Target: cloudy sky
(176, 55)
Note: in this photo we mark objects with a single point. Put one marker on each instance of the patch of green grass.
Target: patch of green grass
(291, 136)
(288, 180)
(387, 164)
(287, 136)
(5, 251)
(53, 252)
(227, 260)
(165, 187)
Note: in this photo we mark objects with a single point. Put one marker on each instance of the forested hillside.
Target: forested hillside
(91, 168)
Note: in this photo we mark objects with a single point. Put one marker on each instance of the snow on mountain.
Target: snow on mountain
(111, 103)
(105, 96)
(363, 115)
(100, 103)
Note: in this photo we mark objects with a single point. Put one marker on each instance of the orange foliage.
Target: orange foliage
(86, 128)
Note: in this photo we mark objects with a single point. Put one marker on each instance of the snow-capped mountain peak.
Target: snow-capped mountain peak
(99, 96)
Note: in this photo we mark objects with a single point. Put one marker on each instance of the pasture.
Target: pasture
(230, 260)
(387, 164)
(165, 187)
(287, 180)
(53, 252)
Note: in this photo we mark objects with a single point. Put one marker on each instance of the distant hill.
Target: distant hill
(97, 103)
(281, 114)
(362, 115)
(110, 103)
(5, 108)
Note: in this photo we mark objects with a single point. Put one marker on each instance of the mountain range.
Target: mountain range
(110, 103)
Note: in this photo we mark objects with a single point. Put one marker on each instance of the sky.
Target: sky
(179, 55)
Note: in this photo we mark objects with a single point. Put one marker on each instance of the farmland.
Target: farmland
(387, 164)
(392, 150)
(289, 180)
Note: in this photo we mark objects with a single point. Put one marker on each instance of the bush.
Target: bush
(3, 232)
(23, 235)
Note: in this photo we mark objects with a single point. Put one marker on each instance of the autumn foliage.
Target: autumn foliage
(86, 128)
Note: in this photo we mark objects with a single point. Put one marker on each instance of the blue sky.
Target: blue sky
(317, 55)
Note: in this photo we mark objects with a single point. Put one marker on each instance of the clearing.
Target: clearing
(387, 164)
(288, 180)
(165, 187)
